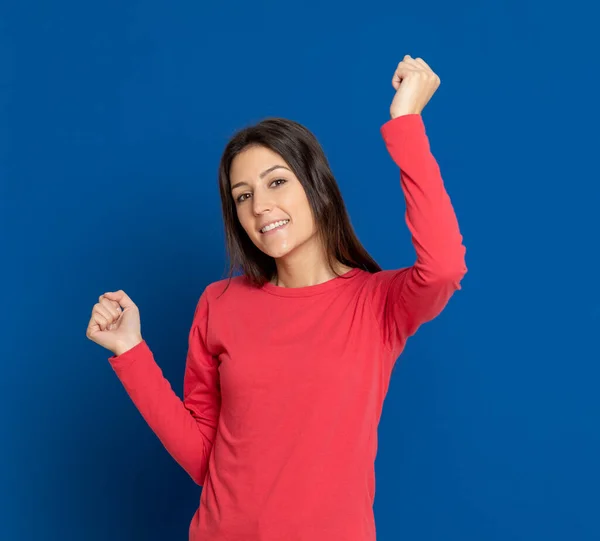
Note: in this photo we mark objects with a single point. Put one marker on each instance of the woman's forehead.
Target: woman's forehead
(255, 163)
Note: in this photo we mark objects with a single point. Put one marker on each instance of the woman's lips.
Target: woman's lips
(275, 229)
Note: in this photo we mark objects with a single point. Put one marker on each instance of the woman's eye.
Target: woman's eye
(277, 182)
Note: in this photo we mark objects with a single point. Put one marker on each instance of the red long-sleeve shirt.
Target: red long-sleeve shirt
(284, 387)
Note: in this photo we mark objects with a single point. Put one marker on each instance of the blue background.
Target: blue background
(113, 119)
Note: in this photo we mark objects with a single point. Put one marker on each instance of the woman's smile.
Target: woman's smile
(273, 227)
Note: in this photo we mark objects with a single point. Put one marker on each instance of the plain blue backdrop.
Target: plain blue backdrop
(113, 117)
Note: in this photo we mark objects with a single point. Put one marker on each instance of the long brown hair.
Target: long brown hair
(302, 152)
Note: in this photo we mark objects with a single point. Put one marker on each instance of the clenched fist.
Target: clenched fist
(115, 323)
(415, 83)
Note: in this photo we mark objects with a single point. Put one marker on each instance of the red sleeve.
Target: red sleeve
(406, 298)
(186, 428)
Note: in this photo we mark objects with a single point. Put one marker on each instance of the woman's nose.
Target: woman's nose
(261, 203)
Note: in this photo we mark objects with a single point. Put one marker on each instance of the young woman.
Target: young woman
(289, 361)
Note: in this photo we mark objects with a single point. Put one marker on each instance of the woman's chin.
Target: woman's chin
(276, 250)
(277, 254)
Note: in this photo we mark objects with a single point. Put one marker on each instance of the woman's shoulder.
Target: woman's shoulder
(227, 287)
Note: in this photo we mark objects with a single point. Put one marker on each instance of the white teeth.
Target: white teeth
(273, 225)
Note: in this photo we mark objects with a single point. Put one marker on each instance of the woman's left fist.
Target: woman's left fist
(415, 83)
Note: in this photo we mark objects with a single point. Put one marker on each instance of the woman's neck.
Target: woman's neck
(304, 269)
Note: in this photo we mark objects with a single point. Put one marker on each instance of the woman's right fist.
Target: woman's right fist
(115, 322)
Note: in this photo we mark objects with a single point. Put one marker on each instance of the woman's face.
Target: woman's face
(266, 193)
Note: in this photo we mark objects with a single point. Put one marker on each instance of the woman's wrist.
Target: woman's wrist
(122, 347)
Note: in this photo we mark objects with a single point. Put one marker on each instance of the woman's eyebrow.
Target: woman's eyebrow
(262, 175)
